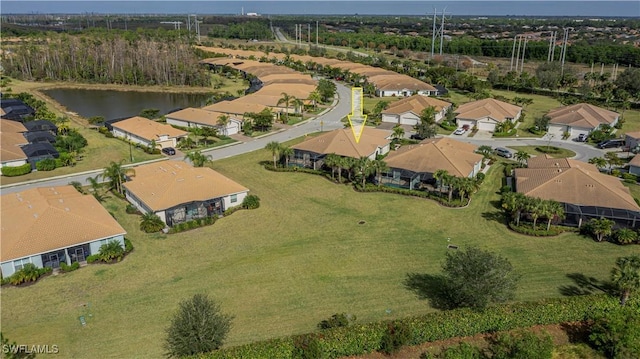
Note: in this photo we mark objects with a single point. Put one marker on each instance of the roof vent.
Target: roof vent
(559, 170)
(66, 209)
(61, 200)
(35, 215)
(180, 179)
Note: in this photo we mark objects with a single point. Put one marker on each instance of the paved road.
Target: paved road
(280, 37)
(327, 121)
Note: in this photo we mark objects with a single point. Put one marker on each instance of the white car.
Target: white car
(459, 131)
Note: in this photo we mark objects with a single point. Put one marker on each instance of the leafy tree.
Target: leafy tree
(326, 88)
(523, 344)
(95, 120)
(600, 227)
(111, 251)
(198, 158)
(541, 123)
(116, 175)
(613, 159)
(599, 162)
(398, 132)
(151, 223)
(476, 278)
(262, 120)
(626, 276)
(486, 151)
(275, 148)
(199, 326)
(616, 332)
(522, 157)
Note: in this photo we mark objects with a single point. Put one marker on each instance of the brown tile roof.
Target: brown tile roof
(11, 126)
(165, 184)
(395, 81)
(430, 155)
(196, 115)
(488, 107)
(343, 143)
(148, 129)
(10, 143)
(294, 78)
(43, 219)
(300, 91)
(571, 181)
(235, 107)
(581, 115)
(415, 104)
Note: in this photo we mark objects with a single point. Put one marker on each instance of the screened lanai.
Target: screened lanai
(402, 178)
(576, 215)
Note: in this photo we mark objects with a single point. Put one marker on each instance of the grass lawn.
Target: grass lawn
(280, 269)
(564, 153)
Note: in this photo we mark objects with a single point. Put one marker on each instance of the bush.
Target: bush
(16, 171)
(251, 202)
(307, 347)
(616, 331)
(128, 246)
(48, 164)
(93, 258)
(131, 209)
(69, 268)
(506, 134)
(199, 326)
(548, 149)
(524, 344)
(625, 236)
(541, 229)
(616, 172)
(28, 273)
(506, 189)
(629, 178)
(336, 321)
(397, 335)
(112, 251)
(480, 177)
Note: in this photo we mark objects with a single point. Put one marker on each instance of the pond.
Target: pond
(112, 104)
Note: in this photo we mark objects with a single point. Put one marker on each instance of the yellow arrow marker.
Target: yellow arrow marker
(357, 118)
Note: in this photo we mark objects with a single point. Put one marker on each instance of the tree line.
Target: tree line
(106, 58)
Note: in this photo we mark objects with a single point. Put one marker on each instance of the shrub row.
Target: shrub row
(48, 164)
(505, 134)
(69, 268)
(366, 338)
(293, 169)
(16, 171)
(548, 149)
(541, 229)
(28, 273)
(407, 192)
(192, 224)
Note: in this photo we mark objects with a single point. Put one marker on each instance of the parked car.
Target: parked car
(582, 137)
(459, 131)
(501, 151)
(416, 136)
(169, 151)
(466, 127)
(611, 144)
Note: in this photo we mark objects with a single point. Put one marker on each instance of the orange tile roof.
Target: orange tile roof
(343, 143)
(571, 181)
(581, 115)
(415, 104)
(196, 115)
(10, 143)
(44, 219)
(395, 81)
(235, 107)
(11, 126)
(492, 108)
(166, 184)
(148, 129)
(434, 154)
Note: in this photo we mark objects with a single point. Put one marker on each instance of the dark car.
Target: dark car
(611, 144)
(169, 151)
(501, 151)
(417, 137)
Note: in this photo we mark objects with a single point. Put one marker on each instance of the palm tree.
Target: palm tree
(534, 206)
(363, 167)
(486, 151)
(332, 160)
(514, 202)
(398, 132)
(298, 105)
(286, 152)
(314, 97)
(466, 186)
(522, 157)
(96, 188)
(599, 162)
(613, 160)
(186, 143)
(151, 223)
(223, 121)
(626, 276)
(552, 210)
(286, 100)
(117, 174)
(275, 148)
(380, 166)
(601, 227)
(198, 159)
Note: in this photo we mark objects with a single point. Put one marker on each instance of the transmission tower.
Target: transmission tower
(437, 31)
(193, 24)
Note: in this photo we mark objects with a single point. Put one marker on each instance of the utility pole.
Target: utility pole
(316, 32)
(513, 53)
(524, 47)
(442, 30)
(552, 45)
(518, 53)
(309, 33)
(433, 33)
(564, 50)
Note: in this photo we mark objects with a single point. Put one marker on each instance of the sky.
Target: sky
(621, 8)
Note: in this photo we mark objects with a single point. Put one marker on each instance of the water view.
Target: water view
(112, 104)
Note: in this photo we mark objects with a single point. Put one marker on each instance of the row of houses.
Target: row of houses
(48, 226)
(28, 142)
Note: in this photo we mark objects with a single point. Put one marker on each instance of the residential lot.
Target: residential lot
(280, 269)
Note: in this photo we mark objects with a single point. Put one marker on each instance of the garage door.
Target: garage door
(486, 126)
(461, 123)
(390, 118)
(233, 128)
(557, 131)
(408, 120)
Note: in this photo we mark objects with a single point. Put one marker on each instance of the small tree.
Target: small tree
(475, 278)
(251, 202)
(616, 332)
(626, 276)
(523, 344)
(198, 327)
(151, 223)
(600, 227)
(198, 159)
(275, 148)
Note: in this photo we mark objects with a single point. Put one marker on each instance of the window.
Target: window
(234, 198)
(20, 263)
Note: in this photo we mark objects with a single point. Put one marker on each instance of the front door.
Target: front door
(79, 255)
(54, 260)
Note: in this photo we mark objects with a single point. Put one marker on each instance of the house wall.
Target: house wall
(239, 198)
(407, 118)
(484, 124)
(477, 167)
(131, 137)
(137, 202)
(558, 130)
(162, 215)
(631, 142)
(8, 267)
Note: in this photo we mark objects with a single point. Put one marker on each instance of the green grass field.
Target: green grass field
(564, 153)
(280, 269)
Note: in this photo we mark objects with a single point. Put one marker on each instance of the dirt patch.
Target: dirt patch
(560, 333)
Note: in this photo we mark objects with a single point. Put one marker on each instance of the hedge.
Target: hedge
(541, 229)
(366, 338)
(422, 194)
(17, 170)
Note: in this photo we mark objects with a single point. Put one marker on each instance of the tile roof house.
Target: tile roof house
(50, 225)
(634, 165)
(411, 165)
(197, 117)
(178, 192)
(486, 114)
(581, 118)
(400, 85)
(311, 153)
(585, 192)
(142, 131)
(407, 111)
(632, 139)
(11, 140)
